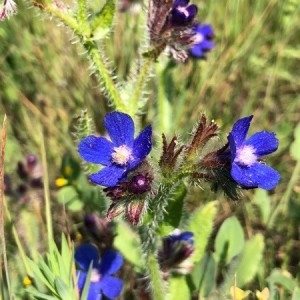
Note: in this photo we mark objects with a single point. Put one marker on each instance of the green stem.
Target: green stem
(105, 75)
(156, 281)
(282, 205)
(139, 86)
(83, 33)
(82, 17)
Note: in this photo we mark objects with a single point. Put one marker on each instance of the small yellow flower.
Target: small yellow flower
(238, 294)
(60, 182)
(27, 281)
(263, 295)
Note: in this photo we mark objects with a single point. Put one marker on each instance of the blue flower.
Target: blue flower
(182, 13)
(203, 34)
(176, 248)
(120, 154)
(101, 282)
(247, 169)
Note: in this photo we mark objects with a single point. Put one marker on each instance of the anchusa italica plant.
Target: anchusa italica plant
(147, 187)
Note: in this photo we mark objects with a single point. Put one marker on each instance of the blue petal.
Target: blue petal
(240, 129)
(85, 254)
(111, 262)
(258, 175)
(232, 146)
(181, 3)
(81, 277)
(197, 51)
(207, 45)
(95, 291)
(141, 146)
(264, 142)
(111, 286)
(96, 150)
(120, 128)
(184, 236)
(204, 29)
(108, 176)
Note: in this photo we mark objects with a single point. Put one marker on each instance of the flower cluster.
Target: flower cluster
(126, 173)
(172, 26)
(101, 282)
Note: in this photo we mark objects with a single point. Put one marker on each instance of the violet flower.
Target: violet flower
(203, 34)
(119, 155)
(247, 169)
(101, 281)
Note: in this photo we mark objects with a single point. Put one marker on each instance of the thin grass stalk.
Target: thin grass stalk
(3, 254)
(17, 240)
(283, 203)
(46, 189)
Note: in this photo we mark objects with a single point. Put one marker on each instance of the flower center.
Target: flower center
(95, 276)
(121, 155)
(198, 38)
(245, 155)
(183, 10)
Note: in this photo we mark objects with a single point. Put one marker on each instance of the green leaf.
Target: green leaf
(201, 224)
(230, 240)
(39, 295)
(62, 288)
(283, 279)
(178, 289)
(262, 200)
(296, 294)
(128, 243)
(204, 275)
(68, 195)
(251, 258)
(295, 146)
(102, 23)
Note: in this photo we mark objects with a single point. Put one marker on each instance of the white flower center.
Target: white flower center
(95, 276)
(183, 10)
(198, 38)
(121, 155)
(245, 155)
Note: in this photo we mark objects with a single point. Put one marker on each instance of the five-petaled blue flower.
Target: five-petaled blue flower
(246, 167)
(182, 13)
(101, 281)
(120, 154)
(203, 34)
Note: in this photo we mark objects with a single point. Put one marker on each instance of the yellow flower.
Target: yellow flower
(238, 294)
(263, 295)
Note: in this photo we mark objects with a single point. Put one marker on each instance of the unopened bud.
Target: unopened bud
(134, 211)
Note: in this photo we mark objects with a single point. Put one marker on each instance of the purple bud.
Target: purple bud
(31, 160)
(140, 184)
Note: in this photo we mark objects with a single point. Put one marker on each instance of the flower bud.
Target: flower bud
(134, 211)
(140, 184)
(176, 248)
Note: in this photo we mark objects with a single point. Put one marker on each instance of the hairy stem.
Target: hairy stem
(156, 281)
(82, 29)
